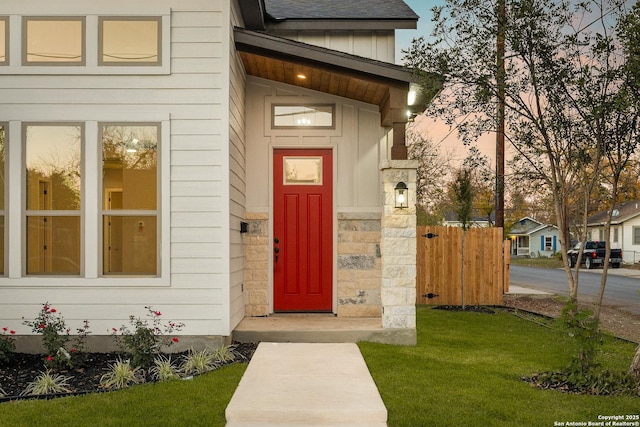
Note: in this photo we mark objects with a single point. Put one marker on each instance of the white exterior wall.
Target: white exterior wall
(630, 252)
(237, 174)
(356, 141)
(200, 115)
(379, 45)
(535, 242)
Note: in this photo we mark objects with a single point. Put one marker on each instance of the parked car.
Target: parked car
(593, 255)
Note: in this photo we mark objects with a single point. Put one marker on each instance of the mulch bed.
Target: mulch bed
(23, 368)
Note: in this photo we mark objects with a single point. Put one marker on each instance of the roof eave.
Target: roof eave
(342, 24)
(254, 42)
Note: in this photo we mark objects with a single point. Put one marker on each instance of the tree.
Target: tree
(434, 169)
(462, 196)
(564, 66)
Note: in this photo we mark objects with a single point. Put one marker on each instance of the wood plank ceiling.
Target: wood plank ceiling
(317, 78)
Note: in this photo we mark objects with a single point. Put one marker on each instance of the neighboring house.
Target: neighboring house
(213, 159)
(451, 220)
(533, 238)
(625, 229)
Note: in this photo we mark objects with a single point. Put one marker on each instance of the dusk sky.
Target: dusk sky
(434, 130)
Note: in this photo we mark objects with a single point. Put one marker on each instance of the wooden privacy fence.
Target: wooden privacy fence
(455, 267)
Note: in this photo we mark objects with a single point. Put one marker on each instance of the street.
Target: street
(623, 285)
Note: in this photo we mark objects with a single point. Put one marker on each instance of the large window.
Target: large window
(129, 41)
(53, 198)
(129, 198)
(4, 40)
(53, 41)
(636, 235)
(2, 193)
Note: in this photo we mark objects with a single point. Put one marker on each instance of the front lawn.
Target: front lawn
(465, 370)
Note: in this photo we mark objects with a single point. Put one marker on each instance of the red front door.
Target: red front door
(303, 230)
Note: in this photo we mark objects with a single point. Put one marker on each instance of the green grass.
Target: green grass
(198, 402)
(466, 370)
(540, 262)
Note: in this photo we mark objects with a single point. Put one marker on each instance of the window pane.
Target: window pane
(2, 158)
(130, 245)
(129, 156)
(288, 116)
(53, 167)
(129, 42)
(4, 40)
(54, 41)
(53, 245)
(2, 245)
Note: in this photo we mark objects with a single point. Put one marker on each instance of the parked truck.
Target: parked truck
(593, 255)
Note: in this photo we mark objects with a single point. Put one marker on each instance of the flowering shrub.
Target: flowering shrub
(55, 336)
(145, 338)
(7, 343)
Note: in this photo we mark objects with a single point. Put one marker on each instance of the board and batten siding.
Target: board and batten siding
(357, 140)
(378, 45)
(202, 133)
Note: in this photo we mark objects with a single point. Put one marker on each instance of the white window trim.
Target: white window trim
(47, 64)
(90, 67)
(7, 40)
(90, 213)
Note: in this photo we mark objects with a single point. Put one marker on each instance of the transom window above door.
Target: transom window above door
(313, 116)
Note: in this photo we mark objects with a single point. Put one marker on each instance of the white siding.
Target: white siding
(192, 97)
(237, 176)
(379, 45)
(355, 140)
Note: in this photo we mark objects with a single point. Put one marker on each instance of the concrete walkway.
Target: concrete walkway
(306, 384)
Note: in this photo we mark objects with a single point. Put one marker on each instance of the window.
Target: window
(636, 235)
(130, 41)
(4, 40)
(548, 243)
(615, 235)
(303, 116)
(53, 198)
(600, 234)
(129, 198)
(2, 193)
(53, 41)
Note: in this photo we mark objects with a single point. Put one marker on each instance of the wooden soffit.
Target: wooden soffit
(324, 70)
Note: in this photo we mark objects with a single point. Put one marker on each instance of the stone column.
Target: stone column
(398, 247)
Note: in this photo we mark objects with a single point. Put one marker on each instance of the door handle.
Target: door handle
(276, 250)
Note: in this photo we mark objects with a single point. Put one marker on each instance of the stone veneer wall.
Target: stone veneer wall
(359, 265)
(398, 244)
(256, 270)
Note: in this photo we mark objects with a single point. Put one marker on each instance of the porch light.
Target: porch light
(402, 194)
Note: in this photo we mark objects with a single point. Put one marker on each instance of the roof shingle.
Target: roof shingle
(340, 9)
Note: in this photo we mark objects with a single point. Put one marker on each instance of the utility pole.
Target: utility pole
(500, 82)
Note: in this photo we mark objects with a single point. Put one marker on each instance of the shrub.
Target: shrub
(163, 369)
(198, 362)
(47, 383)
(146, 338)
(121, 375)
(55, 335)
(7, 343)
(225, 354)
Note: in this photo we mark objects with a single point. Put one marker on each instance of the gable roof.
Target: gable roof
(340, 9)
(625, 211)
(527, 226)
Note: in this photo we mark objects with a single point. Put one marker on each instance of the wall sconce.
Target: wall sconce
(402, 194)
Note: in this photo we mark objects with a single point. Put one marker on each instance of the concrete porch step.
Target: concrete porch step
(319, 329)
(306, 384)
